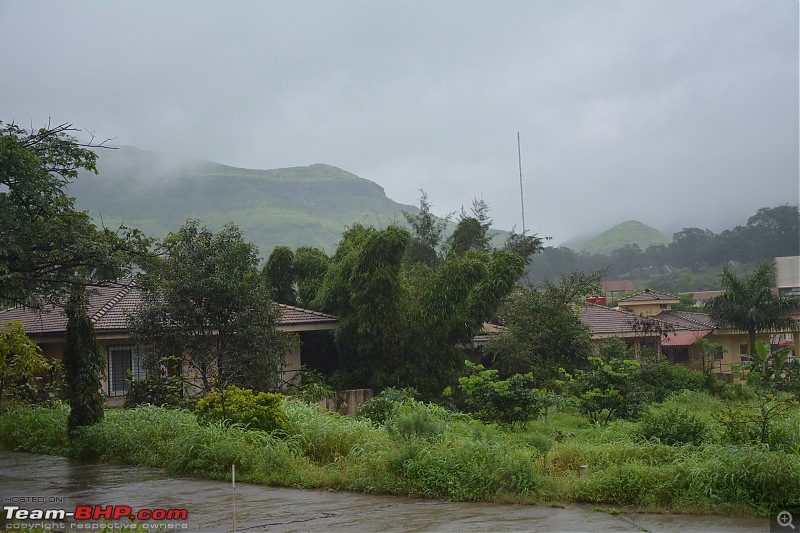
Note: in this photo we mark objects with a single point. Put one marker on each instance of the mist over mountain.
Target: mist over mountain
(299, 206)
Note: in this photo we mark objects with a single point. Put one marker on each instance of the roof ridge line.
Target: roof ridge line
(125, 289)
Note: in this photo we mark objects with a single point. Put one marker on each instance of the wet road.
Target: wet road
(50, 483)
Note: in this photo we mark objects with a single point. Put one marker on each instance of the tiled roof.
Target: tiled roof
(291, 315)
(110, 306)
(687, 320)
(607, 321)
(649, 296)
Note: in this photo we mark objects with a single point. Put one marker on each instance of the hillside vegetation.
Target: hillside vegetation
(629, 232)
(300, 206)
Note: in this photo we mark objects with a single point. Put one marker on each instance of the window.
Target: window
(744, 349)
(122, 359)
(681, 354)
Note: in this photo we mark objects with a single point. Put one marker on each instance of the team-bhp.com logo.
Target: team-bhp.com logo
(94, 512)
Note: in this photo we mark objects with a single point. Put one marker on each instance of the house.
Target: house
(108, 309)
(647, 318)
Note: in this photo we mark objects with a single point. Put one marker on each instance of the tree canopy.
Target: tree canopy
(206, 302)
(46, 245)
(403, 326)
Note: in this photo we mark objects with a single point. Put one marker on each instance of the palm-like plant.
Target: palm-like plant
(749, 304)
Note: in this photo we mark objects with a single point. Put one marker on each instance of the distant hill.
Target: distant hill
(290, 206)
(630, 232)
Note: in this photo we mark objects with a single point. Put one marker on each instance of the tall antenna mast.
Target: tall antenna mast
(521, 198)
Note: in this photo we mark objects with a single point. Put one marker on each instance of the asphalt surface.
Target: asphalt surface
(49, 483)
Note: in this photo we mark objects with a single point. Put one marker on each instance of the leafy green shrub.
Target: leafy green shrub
(324, 436)
(537, 441)
(35, 429)
(506, 401)
(382, 407)
(633, 483)
(660, 378)
(416, 420)
(674, 426)
(467, 470)
(262, 411)
(610, 388)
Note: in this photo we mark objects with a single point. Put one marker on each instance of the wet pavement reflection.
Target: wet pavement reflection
(30, 481)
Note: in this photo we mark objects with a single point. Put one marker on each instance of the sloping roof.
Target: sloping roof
(649, 296)
(607, 321)
(684, 338)
(687, 320)
(110, 306)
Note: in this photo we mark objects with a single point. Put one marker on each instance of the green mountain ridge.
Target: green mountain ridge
(628, 232)
(298, 206)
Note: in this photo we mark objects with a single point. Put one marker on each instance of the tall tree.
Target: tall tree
(403, 327)
(310, 265)
(427, 234)
(546, 332)
(472, 232)
(749, 304)
(84, 365)
(46, 246)
(206, 302)
(278, 272)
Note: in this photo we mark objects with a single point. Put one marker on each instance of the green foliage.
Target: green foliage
(546, 331)
(772, 370)
(21, 360)
(84, 366)
(427, 234)
(46, 245)
(382, 407)
(471, 232)
(262, 411)
(507, 401)
(674, 426)
(310, 265)
(35, 429)
(660, 378)
(748, 304)
(278, 272)
(310, 386)
(399, 328)
(162, 388)
(415, 420)
(206, 301)
(755, 422)
(609, 388)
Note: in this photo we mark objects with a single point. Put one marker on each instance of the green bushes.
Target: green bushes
(674, 426)
(383, 406)
(262, 411)
(424, 450)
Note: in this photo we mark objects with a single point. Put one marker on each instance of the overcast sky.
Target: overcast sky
(674, 113)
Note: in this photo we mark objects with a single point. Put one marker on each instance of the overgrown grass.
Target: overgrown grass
(424, 450)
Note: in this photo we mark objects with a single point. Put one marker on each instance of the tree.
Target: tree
(427, 231)
(546, 332)
(609, 388)
(46, 246)
(84, 365)
(773, 232)
(525, 246)
(310, 266)
(471, 232)
(278, 272)
(749, 304)
(206, 302)
(402, 327)
(21, 360)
